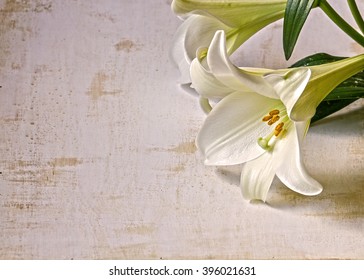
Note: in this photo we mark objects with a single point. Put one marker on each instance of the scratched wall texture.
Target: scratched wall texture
(97, 154)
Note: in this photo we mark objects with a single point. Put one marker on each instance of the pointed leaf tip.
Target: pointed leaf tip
(295, 16)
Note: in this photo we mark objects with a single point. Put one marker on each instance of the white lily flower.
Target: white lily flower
(214, 76)
(196, 31)
(262, 117)
(240, 19)
(253, 129)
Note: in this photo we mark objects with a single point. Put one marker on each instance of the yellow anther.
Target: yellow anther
(279, 126)
(274, 112)
(274, 119)
(266, 118)
(277, 132)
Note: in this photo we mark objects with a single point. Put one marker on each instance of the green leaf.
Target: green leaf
(317, 59)
(327, 108)
(344, 94)
(295, 16)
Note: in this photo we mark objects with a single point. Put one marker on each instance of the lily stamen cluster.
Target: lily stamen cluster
(279, 130)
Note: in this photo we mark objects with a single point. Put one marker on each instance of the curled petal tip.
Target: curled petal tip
(314, 192)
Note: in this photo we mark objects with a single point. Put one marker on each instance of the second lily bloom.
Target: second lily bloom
(240, 19)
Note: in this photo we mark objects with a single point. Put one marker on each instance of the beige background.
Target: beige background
(97, 150)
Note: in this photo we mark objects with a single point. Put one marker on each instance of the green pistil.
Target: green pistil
(264, 142)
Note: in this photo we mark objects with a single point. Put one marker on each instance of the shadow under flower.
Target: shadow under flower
(229, 174)
(341, 199)
(188, 89)
(349, 121)
(333, 155)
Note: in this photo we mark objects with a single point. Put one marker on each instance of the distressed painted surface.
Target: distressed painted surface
(97, 154)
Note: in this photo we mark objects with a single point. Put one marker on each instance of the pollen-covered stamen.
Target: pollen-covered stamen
(266, 118)
(278, 132)
(278, 129)
(274, 112)
(274, 119)
(279, 126)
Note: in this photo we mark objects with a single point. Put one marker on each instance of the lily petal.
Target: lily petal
(291, 170)
(240, 19)
(195, 32)
(204, 82)
(230, 132)
(233, 12)
(257, 176)
(289, 86)
(230, 75)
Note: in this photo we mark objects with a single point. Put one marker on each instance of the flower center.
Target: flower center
(281, 121)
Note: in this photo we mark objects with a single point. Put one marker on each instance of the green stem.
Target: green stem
(340, 22)
(356, 14)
